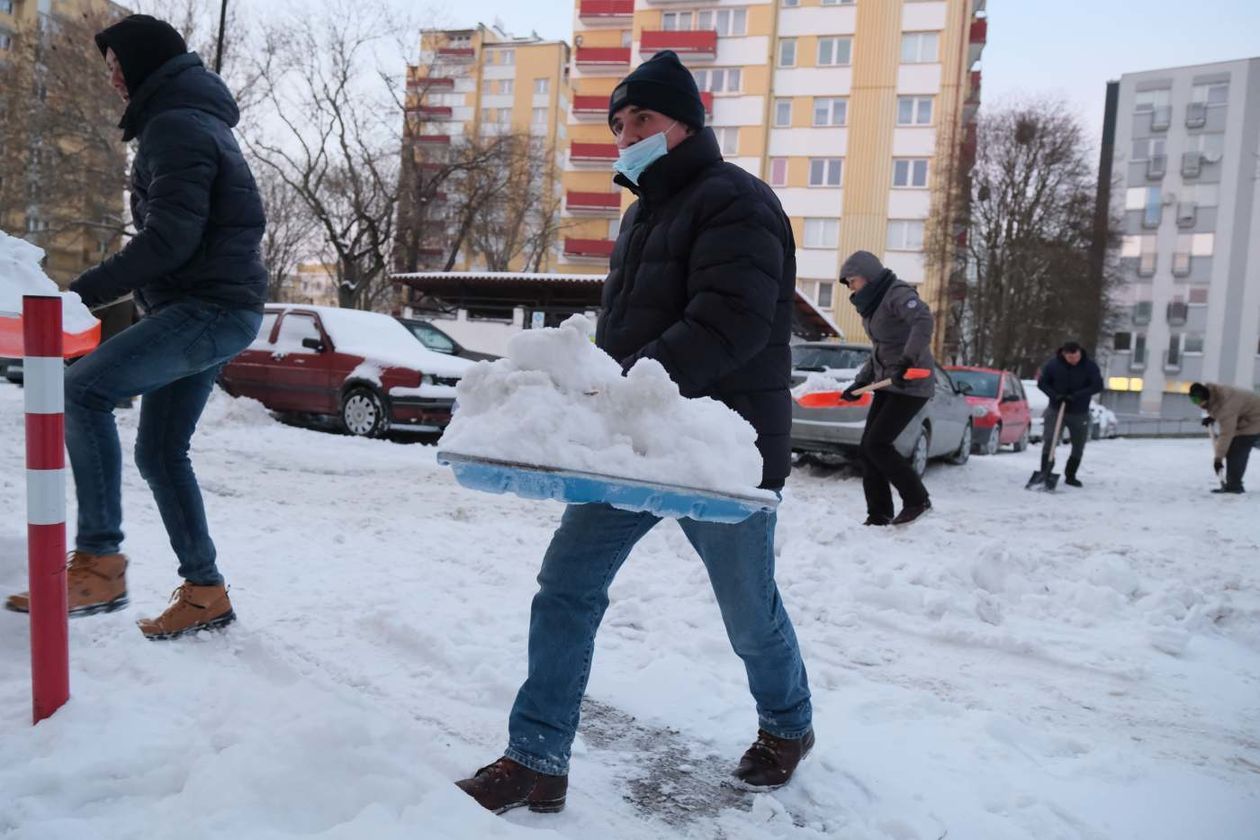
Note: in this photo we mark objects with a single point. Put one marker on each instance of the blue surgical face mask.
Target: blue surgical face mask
(634, 159)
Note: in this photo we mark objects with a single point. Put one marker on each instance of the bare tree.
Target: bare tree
(1031, 227)
(523, 219)
(291, 233)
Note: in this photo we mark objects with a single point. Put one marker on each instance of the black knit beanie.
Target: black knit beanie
(143, 44)
(664, 85)
(1199, 391)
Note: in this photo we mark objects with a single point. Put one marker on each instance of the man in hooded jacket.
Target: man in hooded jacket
(1070, 379)
(195, 268)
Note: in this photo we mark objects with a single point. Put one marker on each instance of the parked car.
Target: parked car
(942, 429)
(439, 342)
(11, 369)
(364, 369)
(999, 408)
(1103, 421)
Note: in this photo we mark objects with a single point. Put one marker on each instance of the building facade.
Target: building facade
(1186, 183)
(857, 112)
(62, 160)
(472, 89)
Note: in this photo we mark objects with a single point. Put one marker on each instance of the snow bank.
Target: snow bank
(20, 274)
(223, 410)
(557, 400)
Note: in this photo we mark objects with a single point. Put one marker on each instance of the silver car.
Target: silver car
(942, 429)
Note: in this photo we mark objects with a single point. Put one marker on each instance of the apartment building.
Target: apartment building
(472, 85)
(62, 160)
(857, 112)
(1186, 142)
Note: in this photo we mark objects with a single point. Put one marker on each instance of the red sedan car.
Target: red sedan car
(363, 368)
(999, 407)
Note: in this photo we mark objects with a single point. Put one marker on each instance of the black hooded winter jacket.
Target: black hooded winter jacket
(193, 199)
(1074, 383)
(702, 279)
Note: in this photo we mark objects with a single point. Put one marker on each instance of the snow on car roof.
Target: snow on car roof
(379, 338)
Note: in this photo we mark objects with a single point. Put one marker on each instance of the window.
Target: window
(790, 3)
(1212, 145)
(1122, 342)
(542, 86)
(910, 172)
(914, 110)
(1198, 296)
(6, 7)
(1149, 100)
(1148, 147)
(919, 47)
(782, 113)
(1216, 93)
(507, 56)
(675, 21)
(1192, 342)
(724, 21)
(614, 228)
(719, 80)
(6, 40)
(538, 116)
(1204, 195)
(1141, 198)
(905, 235)
(824, 172)
(506, 87)
(778, 172)
(1142, 312)
(728, 140)
(830, 110)
(824, 296)
(787, 52)
(1153, 210)
(834, 51)
(822, 233)
(293, 329)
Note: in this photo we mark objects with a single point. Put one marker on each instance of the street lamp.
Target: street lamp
(218, 53)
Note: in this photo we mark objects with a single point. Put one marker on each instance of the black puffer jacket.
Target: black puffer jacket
(194, 201)
(1075, 383)
(702, 279)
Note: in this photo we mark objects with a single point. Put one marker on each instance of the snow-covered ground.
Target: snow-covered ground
(1018, 665)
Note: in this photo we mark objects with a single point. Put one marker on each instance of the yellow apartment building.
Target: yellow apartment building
(858, 112)
(473, 84)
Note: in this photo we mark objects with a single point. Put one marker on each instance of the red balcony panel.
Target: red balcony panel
(602, 152)
(973, 92)
(586, 105)
(600, 11)
(435, 139)
(602, 56)
(430, 83)
(601, 248)
(707, 98)
(432, 112)
(698, 44)
(979, 30)
(458, 53)
(600, 202)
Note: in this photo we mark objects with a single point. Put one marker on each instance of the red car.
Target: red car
(363, 368)
(999, 407)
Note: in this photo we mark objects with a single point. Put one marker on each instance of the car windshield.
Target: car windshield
(829, 358)
(432, 338)
(982, 384)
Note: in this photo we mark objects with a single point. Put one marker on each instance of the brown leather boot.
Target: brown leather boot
(770, 762)
(507, 784)
(95, 583)
(192, 608)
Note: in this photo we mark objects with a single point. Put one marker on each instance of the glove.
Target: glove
(85, 291)
(1218, 465)
(897, 371)
(848, 396)
(1207, 421)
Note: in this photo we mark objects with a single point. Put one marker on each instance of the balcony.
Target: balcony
(1181, 265)
(1146, 265)
(1187, 214)
(1191, 164)
(971, 104)
(1161, 118)
(605, 12)
(593, 203)
(598, 249)
(602, 58)
(588, 108)
(1177, 312)
(602, 154)
(698, 45)
(1137, 361)
(979, 36)
(1156, 166)
(1196, 115)
(428, 84)
(432, 113)
(431, 140)
(456, 54)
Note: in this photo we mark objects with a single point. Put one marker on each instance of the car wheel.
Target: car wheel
(363, 413)
(919, 455)
(994, 443)
(1022, 444)
(964, 447)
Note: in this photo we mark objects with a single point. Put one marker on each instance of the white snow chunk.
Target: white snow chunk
(20, 274)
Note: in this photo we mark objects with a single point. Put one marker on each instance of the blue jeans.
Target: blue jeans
(171, 357)
(585, 553)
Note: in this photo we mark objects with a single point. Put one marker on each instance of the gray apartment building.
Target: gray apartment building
(1186, 178)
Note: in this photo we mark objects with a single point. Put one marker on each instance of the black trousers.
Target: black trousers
(1077, 426)
(882, 464)
(1236, 459)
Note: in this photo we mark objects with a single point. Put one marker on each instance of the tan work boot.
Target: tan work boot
(95, 583)
(192, 608)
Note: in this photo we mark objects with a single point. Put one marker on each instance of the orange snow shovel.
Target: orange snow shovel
(832, 399)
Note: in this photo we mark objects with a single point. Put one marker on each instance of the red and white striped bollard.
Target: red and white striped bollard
(44, 384)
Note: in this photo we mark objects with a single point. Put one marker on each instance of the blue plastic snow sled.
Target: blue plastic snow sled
(668, 501)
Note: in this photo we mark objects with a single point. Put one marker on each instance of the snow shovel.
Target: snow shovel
(832, 399)
(1220, 474)
(1048, 477)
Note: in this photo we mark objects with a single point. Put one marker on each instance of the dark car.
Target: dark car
(439, 342)
(363, 368)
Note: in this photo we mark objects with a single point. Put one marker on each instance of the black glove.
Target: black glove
(848, 396)
(1207, 421)
(897, 371)
(85, 291)
(1218, 465)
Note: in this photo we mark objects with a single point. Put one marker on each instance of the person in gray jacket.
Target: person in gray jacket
(900, 326)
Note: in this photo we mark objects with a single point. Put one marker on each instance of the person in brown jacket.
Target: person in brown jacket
(1237, 413)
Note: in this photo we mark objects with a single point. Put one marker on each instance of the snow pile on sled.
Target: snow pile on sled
(820, 382)
(557, 401)
(20, 274)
